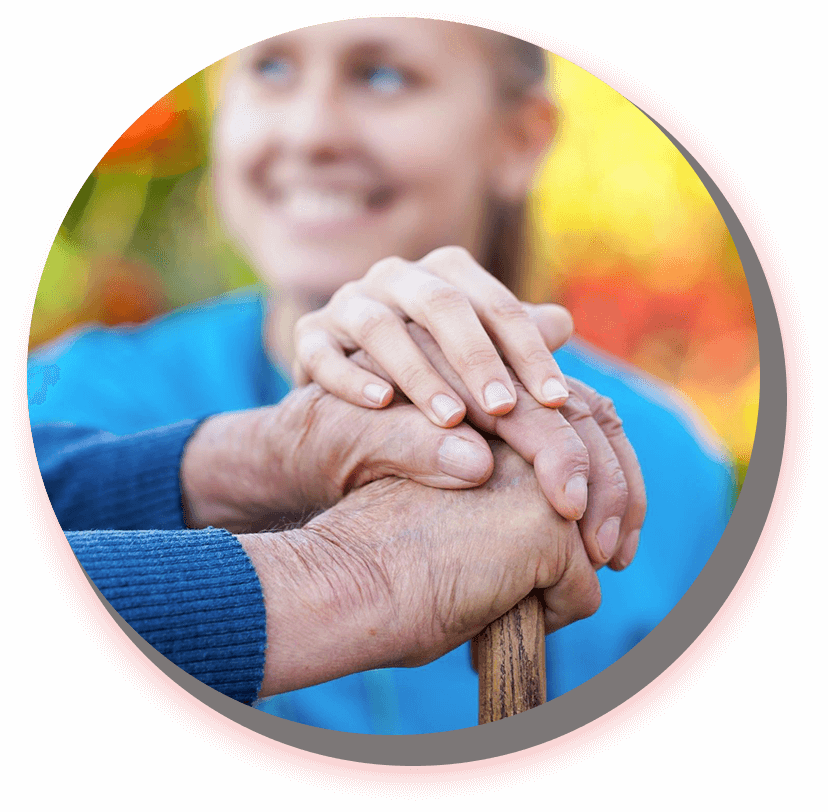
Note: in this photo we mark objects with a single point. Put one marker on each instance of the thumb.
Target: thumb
(403, 442)
(554, 323)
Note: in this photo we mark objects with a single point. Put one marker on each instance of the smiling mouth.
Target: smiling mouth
(316, 207)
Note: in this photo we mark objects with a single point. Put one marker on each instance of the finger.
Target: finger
(542, 436)
(603, 411)
(576, 595)
(608, 493)
(625, 555)
(446, 312)
(506, 320)
(554, 323)
(300, 377)
(406, 444)
(321, 358)
(373, 326)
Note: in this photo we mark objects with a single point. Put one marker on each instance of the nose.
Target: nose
(315, 124)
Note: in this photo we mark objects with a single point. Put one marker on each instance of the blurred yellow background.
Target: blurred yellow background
(625, 235)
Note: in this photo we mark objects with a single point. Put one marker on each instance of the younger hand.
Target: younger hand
(469, 314)
(585, 465)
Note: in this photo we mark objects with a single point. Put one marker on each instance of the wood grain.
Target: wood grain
(511, 662)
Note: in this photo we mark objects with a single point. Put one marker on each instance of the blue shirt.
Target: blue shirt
(209, 358)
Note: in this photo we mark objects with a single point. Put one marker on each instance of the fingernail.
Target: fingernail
(445, 407)
(553, 391)
(576, 493)
(629, 549)
(496, 395)
(376, 393)
(608, 536)
(462, 459)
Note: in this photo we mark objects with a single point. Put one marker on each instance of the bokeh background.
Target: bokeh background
(624, 234)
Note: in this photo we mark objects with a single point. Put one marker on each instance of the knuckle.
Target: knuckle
(384, 267)
(441, 297)
(533, 354)
(413, 378)
(347, 291)
(506, 307)
(585, 391)
(305, 324)
(374, 323)
(620, 489)
(563, 451)
(312, 359)
(451, 254)
(478, 357)
(603, 410)
(311, 347)
(576, 409)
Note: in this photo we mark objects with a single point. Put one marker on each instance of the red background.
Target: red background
(736, 722)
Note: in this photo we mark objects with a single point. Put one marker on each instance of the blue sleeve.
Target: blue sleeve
(98, 481)
(193, 595)
(185, 365)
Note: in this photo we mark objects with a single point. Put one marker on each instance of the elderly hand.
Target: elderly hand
(272, 467)
(397, 574)
(583, 460)
(471, 316)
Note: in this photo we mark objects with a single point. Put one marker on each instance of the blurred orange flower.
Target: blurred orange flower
(123, 291)
(161, 142)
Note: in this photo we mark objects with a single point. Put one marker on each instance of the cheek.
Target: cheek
(240, 133)
(434, 147)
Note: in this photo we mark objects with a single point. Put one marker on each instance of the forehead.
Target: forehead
(429, 40)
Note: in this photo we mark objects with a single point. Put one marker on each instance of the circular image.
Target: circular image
(395, 377)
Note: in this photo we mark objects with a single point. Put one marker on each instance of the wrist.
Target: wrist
(268, 467)
(231, 473)
(328, 606)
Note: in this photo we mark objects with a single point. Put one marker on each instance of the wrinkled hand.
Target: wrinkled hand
(584, 462)
(472, 317)
(397, 574)
(272, 467)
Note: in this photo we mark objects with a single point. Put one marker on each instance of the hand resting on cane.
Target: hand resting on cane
(397, 573)
(583, 440)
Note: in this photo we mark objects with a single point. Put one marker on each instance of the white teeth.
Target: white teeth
(313, 206)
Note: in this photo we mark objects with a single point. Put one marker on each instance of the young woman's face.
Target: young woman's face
(338, 145)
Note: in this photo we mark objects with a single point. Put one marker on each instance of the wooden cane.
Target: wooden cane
(511, 662)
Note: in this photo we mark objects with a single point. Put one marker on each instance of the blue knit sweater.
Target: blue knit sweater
(192, 594)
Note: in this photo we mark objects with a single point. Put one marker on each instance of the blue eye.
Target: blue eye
(385, 79)
(274, 70)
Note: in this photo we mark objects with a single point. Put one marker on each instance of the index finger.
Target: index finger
(506, 320)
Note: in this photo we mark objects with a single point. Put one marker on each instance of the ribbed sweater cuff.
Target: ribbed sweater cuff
(193, 595)
(120, 483)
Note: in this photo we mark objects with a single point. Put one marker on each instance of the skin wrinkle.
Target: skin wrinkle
(356, 559)
(350, 578)
(313, 415)
(449, 629)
